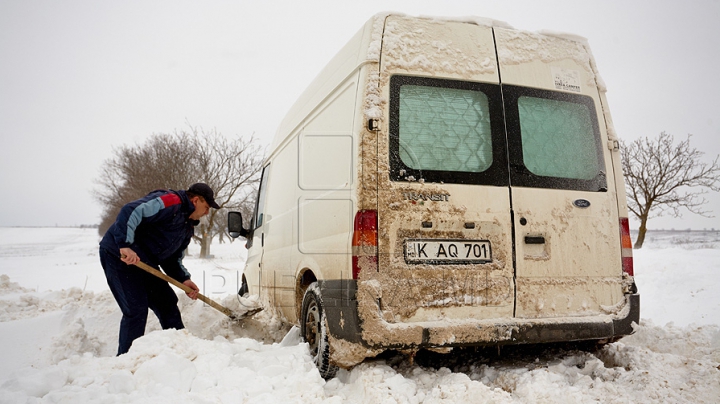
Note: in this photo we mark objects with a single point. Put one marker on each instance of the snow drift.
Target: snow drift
(59, 328)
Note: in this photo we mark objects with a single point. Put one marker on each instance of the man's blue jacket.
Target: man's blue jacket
(158, 228)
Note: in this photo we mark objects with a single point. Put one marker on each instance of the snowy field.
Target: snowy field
(59, 323)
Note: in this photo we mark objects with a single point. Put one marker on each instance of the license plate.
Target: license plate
(447, 251)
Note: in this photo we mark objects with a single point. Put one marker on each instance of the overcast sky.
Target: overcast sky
(80, 77)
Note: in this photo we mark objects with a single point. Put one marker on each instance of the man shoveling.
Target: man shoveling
(155, 229)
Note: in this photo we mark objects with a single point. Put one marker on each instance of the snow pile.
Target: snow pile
(174, 365)
(10, 287)
(59, 344)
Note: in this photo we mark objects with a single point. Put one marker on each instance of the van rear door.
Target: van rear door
(568, 260)
(444, 226)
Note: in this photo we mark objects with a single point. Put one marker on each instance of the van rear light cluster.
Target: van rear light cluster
(626, 244)
(364, 242)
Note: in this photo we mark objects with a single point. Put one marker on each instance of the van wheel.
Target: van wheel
(314, 331)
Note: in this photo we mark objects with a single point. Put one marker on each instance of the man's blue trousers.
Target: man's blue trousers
(136, 291)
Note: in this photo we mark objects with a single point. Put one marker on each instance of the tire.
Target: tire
(313, 331)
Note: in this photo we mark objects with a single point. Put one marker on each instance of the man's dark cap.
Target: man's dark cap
(206, 192)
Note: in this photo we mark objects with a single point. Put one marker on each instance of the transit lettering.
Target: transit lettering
(414, 196)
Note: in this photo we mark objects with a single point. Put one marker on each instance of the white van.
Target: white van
(445, 183)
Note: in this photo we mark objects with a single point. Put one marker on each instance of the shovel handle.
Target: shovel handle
(147, 268)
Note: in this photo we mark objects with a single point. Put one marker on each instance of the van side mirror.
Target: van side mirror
(235, 225)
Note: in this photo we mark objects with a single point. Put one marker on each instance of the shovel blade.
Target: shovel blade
(247, 314)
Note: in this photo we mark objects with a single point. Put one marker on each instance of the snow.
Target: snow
(59, 325)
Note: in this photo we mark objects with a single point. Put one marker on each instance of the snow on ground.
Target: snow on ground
(59, 322)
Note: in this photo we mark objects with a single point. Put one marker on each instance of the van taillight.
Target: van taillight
(364, 242)
(626, 244)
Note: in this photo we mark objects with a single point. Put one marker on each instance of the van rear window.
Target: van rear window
(446, 131)
(557, 138)
(553, 140)
(451, 131)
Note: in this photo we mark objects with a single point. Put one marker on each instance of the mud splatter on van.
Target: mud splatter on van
(462, 188)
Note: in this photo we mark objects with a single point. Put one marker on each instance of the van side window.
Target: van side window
(262, 192)
(448, 131)
(553, 140)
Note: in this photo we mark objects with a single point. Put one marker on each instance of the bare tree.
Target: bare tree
(663, 177)
(138, 169)
(231, 169)
(174, 161)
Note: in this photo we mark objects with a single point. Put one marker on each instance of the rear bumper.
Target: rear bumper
(344, 323)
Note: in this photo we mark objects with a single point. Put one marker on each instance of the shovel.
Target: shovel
(224, 310)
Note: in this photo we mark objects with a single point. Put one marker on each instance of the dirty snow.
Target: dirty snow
(59, 322)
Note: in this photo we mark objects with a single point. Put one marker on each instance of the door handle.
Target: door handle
(534, 240)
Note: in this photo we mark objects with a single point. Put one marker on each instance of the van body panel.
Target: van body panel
(487, 155)
(414, 209)
(276, 227)
(575, 270)
(327, 175)
(546, 61)
(450, 49)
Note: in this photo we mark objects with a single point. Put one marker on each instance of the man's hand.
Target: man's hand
(128, 256)
(193, 286)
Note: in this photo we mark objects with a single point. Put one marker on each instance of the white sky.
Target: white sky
(79, 77)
